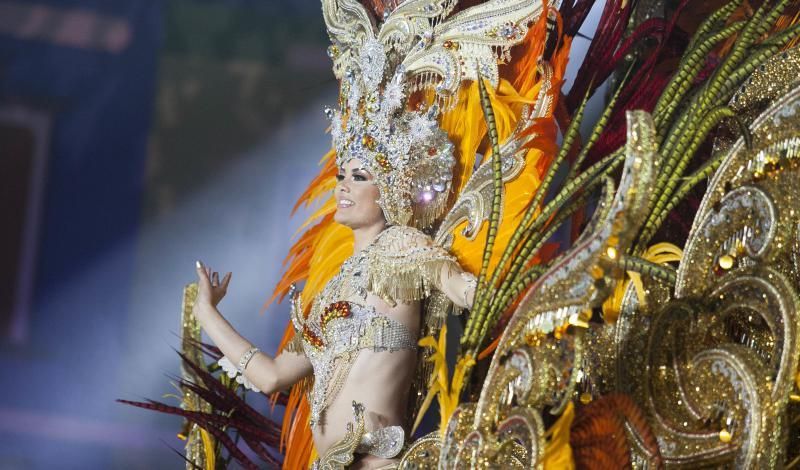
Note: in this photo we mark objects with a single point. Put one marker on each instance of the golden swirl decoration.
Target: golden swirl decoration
(714, 362)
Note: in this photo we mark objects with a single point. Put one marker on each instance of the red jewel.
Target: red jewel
(339, 309)
(311, 337)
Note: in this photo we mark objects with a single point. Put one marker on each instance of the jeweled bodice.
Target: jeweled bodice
(400, 265)
(333, 343)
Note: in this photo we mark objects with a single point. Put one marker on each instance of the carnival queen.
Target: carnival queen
(355, 346)
(360, 340)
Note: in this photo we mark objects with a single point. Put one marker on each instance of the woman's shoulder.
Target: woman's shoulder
(405, 265)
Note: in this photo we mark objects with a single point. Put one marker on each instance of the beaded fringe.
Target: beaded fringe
(404, 281)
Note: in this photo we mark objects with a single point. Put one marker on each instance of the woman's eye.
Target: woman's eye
(359, 178)
(339, 177)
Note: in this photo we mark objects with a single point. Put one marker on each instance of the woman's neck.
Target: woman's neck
(363, 236)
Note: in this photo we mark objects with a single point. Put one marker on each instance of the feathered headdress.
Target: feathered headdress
(416, 55)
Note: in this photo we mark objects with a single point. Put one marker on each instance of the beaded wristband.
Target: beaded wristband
(246, 357)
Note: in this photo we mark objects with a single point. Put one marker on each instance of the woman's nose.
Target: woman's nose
(343, 187)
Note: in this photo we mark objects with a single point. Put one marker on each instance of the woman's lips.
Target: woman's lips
(345, 203)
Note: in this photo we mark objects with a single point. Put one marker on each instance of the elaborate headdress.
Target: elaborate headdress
(414, 55)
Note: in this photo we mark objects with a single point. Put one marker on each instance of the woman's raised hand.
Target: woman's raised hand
(209, 288)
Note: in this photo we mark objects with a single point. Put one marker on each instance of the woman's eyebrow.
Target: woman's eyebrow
(344, 170)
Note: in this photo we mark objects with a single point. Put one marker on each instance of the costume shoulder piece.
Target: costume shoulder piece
(405, 265)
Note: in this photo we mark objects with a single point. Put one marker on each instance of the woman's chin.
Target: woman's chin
(340, 218)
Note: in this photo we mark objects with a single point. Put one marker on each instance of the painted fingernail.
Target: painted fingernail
(198, 264)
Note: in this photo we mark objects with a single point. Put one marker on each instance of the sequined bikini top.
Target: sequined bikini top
(347, 326)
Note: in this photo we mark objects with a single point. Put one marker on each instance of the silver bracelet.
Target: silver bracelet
(246, 357)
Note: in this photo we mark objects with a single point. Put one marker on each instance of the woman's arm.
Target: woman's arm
(458, 285)
(265, 372)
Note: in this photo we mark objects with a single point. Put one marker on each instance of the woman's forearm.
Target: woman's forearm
(458, 285)
(261, 370)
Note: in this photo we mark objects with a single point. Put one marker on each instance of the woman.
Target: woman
(359, 341)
